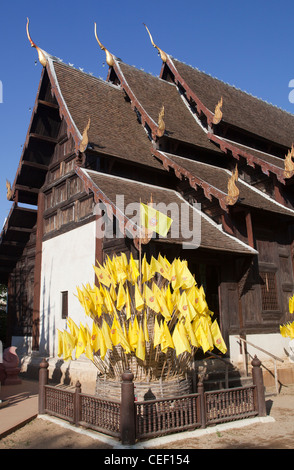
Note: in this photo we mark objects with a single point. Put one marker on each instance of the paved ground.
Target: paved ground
(275, 432)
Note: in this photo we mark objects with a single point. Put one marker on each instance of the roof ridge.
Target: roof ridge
(80, 70)
(235, 87)
(147, 73)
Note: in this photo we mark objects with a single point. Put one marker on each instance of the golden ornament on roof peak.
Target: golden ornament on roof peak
(160, 51)
(41, 54)
(109, 56)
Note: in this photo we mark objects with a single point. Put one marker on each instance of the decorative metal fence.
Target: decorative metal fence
(129, 420)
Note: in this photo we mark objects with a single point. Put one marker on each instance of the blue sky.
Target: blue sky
(247, 44)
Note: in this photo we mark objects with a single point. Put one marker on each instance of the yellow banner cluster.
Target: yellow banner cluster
(159, 305)
(287, 330)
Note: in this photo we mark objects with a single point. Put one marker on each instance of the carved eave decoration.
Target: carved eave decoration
(42, 55)
(125, 224)
(195, 182)
(85, 139)
(9, 193)
(218, 112)
(109, 56)
(289, 164)
(161, 124)
(162, 54)
(233, 190)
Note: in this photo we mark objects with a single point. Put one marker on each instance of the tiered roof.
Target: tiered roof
(121, 118)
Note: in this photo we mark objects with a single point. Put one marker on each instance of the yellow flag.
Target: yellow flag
(146, 271)
(180, 339)
(133, 270)
(166, 339)
(164, 267)
(121, 297)
(114, 332)
(134, 334)
(82, 341)
(157, 333)
(68, 345)
(73, 328)
(95, 337)
(102, 275)
(202, 338)
(191, 334)
(89, 347)
(105, 330)
(217, 337)
(291, 304)
(139, 302)
(155, 220)
(150, 299)
(59, 343)
(154, 266)
(160, 300)
(108, 302)
(128, 303)
(176, 276)
(140, 350)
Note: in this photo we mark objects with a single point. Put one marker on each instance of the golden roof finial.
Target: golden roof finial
(84, 142)
(289, 164)
(9, 193)
(233, 191)
(41, 54)
(109, 56)
(160, 51)
(161, 124)
(218, 112)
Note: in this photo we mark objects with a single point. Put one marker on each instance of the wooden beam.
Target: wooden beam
(8, 258)
(48, 104)
(20, 229)
(38, 166)
(21, 187)
(44, 138)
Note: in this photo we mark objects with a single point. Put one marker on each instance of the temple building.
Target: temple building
(184, 138)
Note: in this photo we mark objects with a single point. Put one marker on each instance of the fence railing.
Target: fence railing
(129, 420)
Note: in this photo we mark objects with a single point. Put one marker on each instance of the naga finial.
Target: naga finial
(41, 54)
(289, 164)
(160, 51)
(9, 193)
(218, 112)
(84, 142)
(161, 124)
(233, 191)
(109, 56)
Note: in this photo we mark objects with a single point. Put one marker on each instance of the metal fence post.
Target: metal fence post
(43, 380)
(77, 413)
(200, 390)
(258, 382)
(127, 410)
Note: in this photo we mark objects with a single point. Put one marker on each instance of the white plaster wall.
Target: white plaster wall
(67, 262)
(274, 343)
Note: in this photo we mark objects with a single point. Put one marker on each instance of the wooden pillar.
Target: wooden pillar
(127, 409)
(257, 378)
(37, 273)
(43, 380)
(77, 413)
